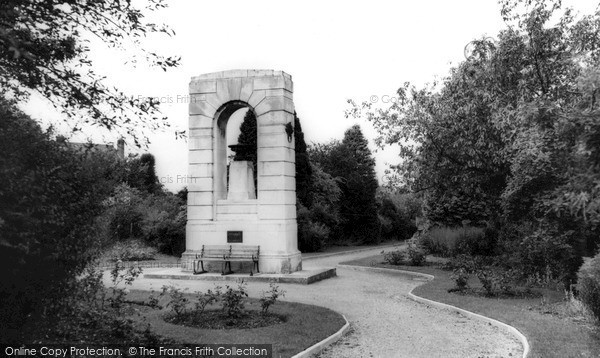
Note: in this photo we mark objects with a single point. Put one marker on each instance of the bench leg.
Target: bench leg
(196, 272)
(256, 264)
(225, 271)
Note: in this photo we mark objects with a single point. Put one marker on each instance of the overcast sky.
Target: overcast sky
(333, 50)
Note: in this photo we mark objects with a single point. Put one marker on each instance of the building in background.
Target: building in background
(89, 147)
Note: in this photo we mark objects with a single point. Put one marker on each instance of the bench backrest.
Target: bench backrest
(238, 251)
(233, 251)
(215, 250)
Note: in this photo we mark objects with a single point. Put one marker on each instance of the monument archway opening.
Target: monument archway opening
(261, 212)
(236, 152)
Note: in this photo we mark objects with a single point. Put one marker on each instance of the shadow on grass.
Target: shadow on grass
(550, 333)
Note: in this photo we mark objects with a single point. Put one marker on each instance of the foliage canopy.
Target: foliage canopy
(45, 48)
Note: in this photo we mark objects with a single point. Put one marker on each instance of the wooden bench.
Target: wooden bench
(227, 254)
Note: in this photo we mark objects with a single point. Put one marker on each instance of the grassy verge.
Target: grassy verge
(303, 326)
(552, 328)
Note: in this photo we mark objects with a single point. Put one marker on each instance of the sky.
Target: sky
(334, 51)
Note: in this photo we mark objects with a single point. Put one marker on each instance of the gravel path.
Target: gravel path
(385, 322)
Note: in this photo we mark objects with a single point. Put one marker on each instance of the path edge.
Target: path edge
(318, 347)
(510, 329)
(352, 251)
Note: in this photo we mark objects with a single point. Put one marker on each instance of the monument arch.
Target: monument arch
(267, 218)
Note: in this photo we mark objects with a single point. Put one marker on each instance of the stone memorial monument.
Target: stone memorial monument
(223, 206)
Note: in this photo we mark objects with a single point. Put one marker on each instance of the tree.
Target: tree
(326, 195)
(44, 48)
(312, 233)
(49, 199)
(318, 221)
(303, 167)
(358, 207)
(182, 194)
(150, 180)
(140, 173)
(510, 135)
(248, 138)
(350, 162)
(397, 213)
(450, 145)
(552, 132)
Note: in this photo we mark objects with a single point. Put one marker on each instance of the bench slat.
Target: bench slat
(217, 247)
(240, 260)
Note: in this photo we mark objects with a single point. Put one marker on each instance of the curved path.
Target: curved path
(385, 322)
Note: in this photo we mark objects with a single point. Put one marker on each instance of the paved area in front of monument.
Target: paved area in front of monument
(304, 277)
(386, 323)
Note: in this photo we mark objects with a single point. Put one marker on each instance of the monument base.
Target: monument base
(280, 263)
(276, 238)
(304, 277)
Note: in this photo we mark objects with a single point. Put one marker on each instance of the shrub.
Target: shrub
(549, 254)
(125, 223)
(270, 297)
(447, 241)
(393, 257)
(589, 292)
(485, 277)
(476, 242)
(158, 219)
(469, 263)
(122, 214)
(91, 313)
(323, 207)
(163, 223)
(131, 250)
(205, 299)
(489, 245)
(503, 280)
(153, 301)
(233, 300)
(119, 274)
(416, 256)
(589, 286)
(461, 279)
(311, 235)
(396, 214)
(495, 281)
(178, 302)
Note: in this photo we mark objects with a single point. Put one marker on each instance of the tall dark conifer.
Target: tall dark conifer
(303, 168)
(358, 206)
(150, 181)
(248, 137)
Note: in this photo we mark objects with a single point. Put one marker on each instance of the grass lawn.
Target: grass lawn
(303, 326)
(548, 323)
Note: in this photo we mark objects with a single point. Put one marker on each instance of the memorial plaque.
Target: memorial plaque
(234, 237)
